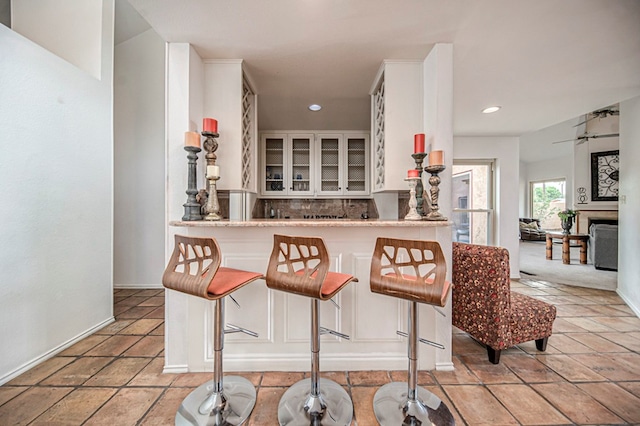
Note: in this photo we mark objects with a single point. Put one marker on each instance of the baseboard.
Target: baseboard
(51, 353)
(175, 369)
(635, 309)
(138, 286)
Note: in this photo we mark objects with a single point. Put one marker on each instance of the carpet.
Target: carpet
(533, 264)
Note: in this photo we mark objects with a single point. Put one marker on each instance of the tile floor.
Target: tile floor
(590, 373)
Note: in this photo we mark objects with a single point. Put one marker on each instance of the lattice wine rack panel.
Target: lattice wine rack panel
(248, 105)
(378, 135)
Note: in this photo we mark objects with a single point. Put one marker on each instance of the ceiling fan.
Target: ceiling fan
(599, 113)
(583, 138)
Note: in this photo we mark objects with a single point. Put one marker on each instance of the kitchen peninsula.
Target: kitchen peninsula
(282, 320)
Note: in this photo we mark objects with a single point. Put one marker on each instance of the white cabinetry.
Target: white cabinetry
(314, 165)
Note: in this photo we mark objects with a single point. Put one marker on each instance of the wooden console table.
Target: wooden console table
(566, 238)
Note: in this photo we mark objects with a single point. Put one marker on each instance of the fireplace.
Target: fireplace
(587, 217)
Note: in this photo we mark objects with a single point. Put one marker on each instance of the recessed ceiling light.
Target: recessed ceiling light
(491, 109)
(315, 107)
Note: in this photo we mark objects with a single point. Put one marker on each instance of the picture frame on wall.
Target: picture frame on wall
(605, 173)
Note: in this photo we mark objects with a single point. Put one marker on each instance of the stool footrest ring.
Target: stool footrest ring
(421, 340)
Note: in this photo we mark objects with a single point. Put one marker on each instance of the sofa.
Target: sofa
(603, 246)
(530, 230)
(484, 306)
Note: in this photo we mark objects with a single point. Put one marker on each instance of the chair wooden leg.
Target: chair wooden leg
(541, 344)
(494, 355)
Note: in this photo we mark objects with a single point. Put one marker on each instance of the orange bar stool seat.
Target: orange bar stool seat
(413, 270)
(300, 265)
(194, 268)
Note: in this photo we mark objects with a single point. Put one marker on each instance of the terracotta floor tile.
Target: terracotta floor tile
(609, 366)
(632, 387)
(148, 346)
(152, 375)
(575, 311)
(266, 409)
(531, 349)
(126, 291)
(340, 377)
(589, 324)
(158, 331)
(119, 372)
(577, 405)
(119, 309)
(464, 344)
(164, 411)
(126, 407)
(488, 372)
(115, 327)
(565, 344)
(77, 372)
(280, 378)
(142, 326)
(113, 346)
(424, 377)
(597, 343)
(369, 378)
(569, 368)
(616, 399)
(84, 345)
(528, 407)
(25, 407)
(612, 310)
(478, 406)
(153, 301)
(156, 313)
(76, 407)
(255, 377)
(561, 325)
(191, 380)
(460, 375)
(136, 312)
(9, 392)
(41, 371)
(362, 397)
(619, 323)
(131, 301)
(151, 292)
(440, 393)
(623, 339)
(530, 370)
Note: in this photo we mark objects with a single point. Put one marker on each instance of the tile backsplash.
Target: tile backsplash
(304, 208)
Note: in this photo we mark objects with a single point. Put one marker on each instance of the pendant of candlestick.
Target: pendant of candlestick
(434, 182)
(419, 157)
(192, 207)
(413, 214)
(212, 208)
(210, 145)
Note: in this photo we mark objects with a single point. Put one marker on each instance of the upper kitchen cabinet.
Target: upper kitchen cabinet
(229, 98)
(396, 115)
(314, 165)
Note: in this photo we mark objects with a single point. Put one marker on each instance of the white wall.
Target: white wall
(55, 25)
(56, 174)
(629, 207)
(505, 152)
(139, 156)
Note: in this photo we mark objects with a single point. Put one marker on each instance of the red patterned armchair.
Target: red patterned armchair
(485, 307)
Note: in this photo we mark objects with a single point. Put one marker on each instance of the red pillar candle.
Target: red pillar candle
(413, 173)
(210, 125)
(192, 139)
(436, 158)
(418, 143)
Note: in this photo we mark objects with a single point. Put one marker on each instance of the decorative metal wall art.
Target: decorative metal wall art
(582, 195)
(605, 175)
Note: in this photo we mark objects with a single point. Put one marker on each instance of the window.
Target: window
(547, 199)
(472, 192)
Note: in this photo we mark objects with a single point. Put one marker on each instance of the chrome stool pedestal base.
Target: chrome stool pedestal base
(231, 407)
(393, 407)
(331, 407)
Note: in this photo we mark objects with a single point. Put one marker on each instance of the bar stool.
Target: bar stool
(300, 265)
(194, 268)
(405, 403)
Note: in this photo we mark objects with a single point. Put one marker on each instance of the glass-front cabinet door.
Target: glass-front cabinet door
(300, 174)
(274, 156)
(330, 164)
(356, 160)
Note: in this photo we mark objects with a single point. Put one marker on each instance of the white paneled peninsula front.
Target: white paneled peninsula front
(282, 320)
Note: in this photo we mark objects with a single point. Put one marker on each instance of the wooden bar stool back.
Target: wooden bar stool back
(194, 268)
(300, 265)
(413, 270)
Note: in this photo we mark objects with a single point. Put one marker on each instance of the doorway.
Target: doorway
(472, 202)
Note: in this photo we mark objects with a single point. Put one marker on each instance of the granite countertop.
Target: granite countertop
(312, 223)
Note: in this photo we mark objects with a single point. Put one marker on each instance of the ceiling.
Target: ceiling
(543, 61)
